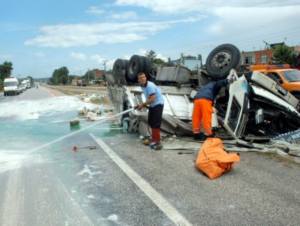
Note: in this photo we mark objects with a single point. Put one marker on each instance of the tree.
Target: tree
(31, 80)
(60, 76)
(151, 55)
(283, 54)
(5, 70)
(89, 76)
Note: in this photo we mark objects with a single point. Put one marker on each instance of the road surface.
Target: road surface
(121, 182)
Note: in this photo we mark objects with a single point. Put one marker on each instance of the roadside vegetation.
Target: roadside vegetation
(5, 71)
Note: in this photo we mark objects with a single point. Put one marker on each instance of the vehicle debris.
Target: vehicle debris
(76, 148)
(253, 108)
(75, 124)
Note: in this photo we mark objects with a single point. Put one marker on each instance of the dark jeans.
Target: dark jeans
(155, 116)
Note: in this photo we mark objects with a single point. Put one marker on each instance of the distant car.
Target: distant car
(11, 86)
(23, 86)
(287, 77)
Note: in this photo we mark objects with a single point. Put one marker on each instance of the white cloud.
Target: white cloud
(250, 25)
(78, 56)
(125, 15)
(126, 57)
(161, 56)
(96, 57)
(95, 10)
(143, 52)
(183, 6)
(68, 35)
(235, 19)
(109, 64)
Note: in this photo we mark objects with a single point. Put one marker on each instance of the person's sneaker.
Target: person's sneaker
(199, 136)
(152, 144)
(156, 146)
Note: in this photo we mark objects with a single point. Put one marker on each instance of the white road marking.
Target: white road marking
(155, 196)
(13, 212)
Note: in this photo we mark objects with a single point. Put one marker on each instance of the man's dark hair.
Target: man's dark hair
(141, 73)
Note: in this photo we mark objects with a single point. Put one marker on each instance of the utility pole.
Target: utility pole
(104, 65)
(88, 75)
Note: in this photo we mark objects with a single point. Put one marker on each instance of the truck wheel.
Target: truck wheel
(138, 64)
(221, 60)
(120, 70)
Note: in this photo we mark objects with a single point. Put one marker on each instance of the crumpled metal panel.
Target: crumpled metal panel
(177, 104)
(178, 74)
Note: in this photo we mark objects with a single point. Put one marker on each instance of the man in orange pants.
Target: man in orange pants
(203, 108)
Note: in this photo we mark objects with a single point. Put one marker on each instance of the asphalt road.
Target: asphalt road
(122, 182)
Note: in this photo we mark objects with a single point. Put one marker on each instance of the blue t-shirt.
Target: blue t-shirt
(152, 89)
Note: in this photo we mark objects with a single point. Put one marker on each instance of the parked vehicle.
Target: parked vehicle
(287, 77)
(11, 86)
(23, 85)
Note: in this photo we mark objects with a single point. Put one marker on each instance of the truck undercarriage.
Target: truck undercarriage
(252, 106)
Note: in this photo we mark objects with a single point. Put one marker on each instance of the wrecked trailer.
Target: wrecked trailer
(254, 107)
(178, 106)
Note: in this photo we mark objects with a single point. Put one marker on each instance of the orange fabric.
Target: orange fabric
(213, 160)
(202, 115)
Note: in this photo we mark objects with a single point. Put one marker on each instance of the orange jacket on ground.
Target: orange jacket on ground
(213, 160)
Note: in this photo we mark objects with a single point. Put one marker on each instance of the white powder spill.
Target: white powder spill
(14, 159)
(87, 171)
(91, 197)
(113, 217)
(33, 109)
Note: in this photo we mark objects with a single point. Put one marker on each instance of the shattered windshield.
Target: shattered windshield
(292, 76)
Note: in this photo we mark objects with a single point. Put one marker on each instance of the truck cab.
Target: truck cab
(11, 86)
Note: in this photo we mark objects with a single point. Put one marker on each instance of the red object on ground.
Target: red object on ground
(212, 160)
(202, 115)
(74, 148)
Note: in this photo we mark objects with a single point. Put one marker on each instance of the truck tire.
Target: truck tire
(138, 64)
(221, 60)
(120, 69)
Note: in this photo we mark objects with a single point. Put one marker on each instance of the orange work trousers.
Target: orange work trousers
(202, 115)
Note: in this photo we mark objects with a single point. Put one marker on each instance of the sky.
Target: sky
(40, 36)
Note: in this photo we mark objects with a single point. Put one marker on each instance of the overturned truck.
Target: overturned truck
(254, 107)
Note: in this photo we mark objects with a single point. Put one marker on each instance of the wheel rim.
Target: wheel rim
(221, 60)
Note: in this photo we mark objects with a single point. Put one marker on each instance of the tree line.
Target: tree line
(283, 54)
(5, 71)
(61, 76)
